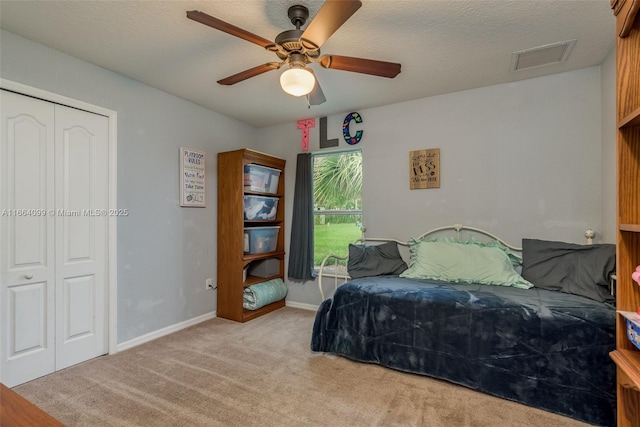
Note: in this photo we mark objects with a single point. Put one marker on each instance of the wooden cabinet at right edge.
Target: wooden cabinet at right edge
(627, 356)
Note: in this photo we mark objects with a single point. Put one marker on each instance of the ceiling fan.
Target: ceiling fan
(298, 48)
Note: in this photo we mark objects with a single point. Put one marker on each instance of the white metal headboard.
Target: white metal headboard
(325, 271)
(457, 227)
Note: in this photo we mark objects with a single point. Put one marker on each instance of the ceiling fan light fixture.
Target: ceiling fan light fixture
(300, 47)
(297, 81)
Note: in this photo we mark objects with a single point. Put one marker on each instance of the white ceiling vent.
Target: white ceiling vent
(542, 55)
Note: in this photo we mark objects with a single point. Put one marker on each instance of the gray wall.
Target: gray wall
(165, 252)
(534, 158)
(609, 215)
(523, 159)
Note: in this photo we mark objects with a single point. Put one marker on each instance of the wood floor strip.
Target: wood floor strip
(16, 411)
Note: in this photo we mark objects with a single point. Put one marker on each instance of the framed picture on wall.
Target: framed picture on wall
(424, 168)
(192, 178)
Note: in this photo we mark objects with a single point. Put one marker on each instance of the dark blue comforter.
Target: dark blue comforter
(541, 348)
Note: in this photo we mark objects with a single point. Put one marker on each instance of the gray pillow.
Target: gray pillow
(376, 260)
(583, 270)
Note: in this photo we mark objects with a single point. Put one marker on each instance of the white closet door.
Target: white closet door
(81, 235)
(53, 237)
(27, 269)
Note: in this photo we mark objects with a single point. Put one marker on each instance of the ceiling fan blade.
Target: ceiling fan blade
(316, 96)
(251, 72)
(225, 27)
(361, 65)
(329, 18)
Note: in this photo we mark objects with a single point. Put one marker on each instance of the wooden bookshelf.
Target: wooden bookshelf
(626, 355)
(634, 228)
(232, 260)
(631, 120)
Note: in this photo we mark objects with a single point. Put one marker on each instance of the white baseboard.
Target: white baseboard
(164, 331)
(302, 305)
(182, 325)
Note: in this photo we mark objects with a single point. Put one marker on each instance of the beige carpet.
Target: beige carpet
(261, 373)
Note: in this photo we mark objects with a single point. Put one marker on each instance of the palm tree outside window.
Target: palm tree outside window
(337, 200)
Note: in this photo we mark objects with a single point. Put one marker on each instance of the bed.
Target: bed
(540, 335)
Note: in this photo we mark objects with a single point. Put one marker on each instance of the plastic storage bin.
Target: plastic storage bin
(258, 240)
(261, 179)
(260, 207)
(633, 326)
(633, 333)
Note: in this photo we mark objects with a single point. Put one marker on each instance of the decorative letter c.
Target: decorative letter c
(351, 140)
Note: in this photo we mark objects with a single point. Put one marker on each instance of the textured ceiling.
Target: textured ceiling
(443, 46)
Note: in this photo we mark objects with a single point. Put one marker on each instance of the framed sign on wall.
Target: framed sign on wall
(424, 169)
(192, 178)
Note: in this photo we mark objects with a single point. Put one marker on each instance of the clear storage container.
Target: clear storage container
(260, 207)
(259, 240)
(261, 179)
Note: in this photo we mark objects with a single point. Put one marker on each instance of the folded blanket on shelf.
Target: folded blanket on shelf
(261, 294)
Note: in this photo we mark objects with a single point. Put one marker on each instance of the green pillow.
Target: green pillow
(469, 261)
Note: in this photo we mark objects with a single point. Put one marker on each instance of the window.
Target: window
(337, 200)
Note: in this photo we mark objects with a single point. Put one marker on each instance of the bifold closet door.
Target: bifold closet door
(53, 237)
(27, 237)
(81, 235)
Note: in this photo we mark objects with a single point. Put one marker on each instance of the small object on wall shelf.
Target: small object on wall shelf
(192, 178)
(424, 169)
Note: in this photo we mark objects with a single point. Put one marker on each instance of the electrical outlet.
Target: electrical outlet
(208, 284)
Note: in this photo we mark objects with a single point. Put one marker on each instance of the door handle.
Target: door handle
(28, 276)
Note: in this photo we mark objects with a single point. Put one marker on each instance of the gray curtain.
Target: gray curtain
(301, 243)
